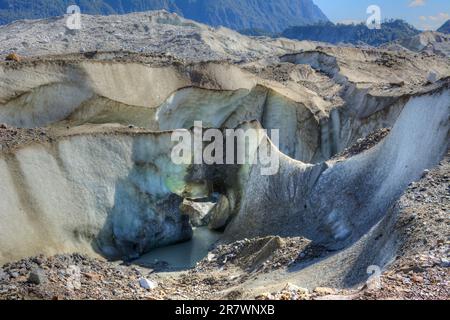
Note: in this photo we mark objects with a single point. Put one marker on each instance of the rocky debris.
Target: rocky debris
(364, 144)
(76, 277)
(80, 277)
(413, 280)
(323, 291)
(11, 137)
(289, 292)
(144, 32)
(280, 72)
(255, 255)
(302, 74)
(424, 210)
(421, 270)
(260, 255)
(293, 292)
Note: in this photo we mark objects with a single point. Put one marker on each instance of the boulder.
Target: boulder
(198, 212)
(37, 277)
(3, 275)
(220, 215)
(13, 57)
(432, 77)
(147, 284)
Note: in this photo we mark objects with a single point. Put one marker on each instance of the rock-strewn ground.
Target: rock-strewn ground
(364, 144)
(147, 32)
(225, 267)
(421, 270)
(11, 137)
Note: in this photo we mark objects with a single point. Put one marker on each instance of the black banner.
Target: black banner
(277, 310)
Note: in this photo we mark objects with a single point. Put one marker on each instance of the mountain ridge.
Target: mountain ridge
(234, 14)
(354, 33)
(445, 28)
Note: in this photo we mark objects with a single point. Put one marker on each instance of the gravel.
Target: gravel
(11, 137)
(421, 270)
(364, 144)
(146, 32)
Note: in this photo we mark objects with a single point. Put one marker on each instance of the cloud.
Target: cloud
(442, 16)
(433, 22)
(417, 3)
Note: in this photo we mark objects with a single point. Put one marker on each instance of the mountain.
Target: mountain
(273, 16)
(445, 27)
(11, 10)
(270, 16)
(428, 41)
(354, 34)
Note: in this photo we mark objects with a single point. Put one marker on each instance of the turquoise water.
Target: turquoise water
(183, 255)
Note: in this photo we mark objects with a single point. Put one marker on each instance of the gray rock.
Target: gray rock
(3, 275)
(445, 263)
(432, 77)
(198, 212)
(220, 214)
(147, 284)
(37, 276)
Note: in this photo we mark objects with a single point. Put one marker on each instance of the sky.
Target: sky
(423, 14)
